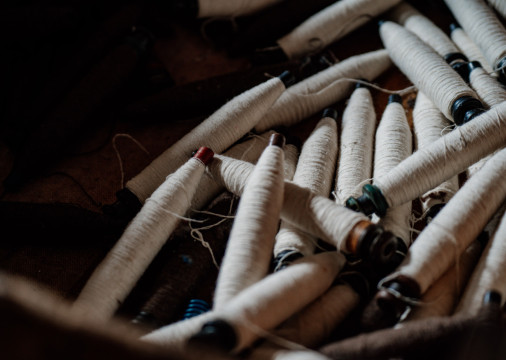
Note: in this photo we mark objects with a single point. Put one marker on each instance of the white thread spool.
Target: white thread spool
(224, 8)
(445, 238)
(314, 171)
(118, 273)
(218, 132)
(445, 157)
(278, 353)
(483, 27)
(356, 145)
(407, 16)
(427, 70)
(468, 47)
(490, 273)
(267, 303)
(499, 5)
(316, 215)
(249, 151)
(442, 296)
(428, 125)
(491, 91)
(323, 89)
(330, 25)
(249, 248)
(393, 144)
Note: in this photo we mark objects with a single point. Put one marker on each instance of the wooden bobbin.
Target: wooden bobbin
(430, 73)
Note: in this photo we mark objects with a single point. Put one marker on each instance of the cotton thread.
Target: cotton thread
(227, 125)
(499, 5)
(314, 171)
(483, 27)
(249, 248)
(392, 145)
(117, 274)
(323, 89)
(469, 48)
(356, 144)
(331, 24)
(488, 88)
(429, 124)
(425, 68)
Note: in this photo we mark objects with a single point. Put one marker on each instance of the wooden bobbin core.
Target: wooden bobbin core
(393, 306)
(216, 334)
(371, 201)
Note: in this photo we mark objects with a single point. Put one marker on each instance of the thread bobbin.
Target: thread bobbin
(285, 258)
(393, 305)
(466, 108)
(458, 62)
(216, 334)
(501, 70)
(371, 201)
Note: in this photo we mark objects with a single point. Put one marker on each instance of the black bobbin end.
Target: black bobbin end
(458, 62)
(217, 334)
(284, 259)
(126, 207)
(465, 109)
(277, 139)
(377, 245)
(371, 201)
(473, 65)
(393, 306)
(501, 70)
(492, 297)
(360, 84)
(381, 22)
(433, 211)
(287, 78)
(147, 319)
(454, 26)
(330, 112)
(395, 98)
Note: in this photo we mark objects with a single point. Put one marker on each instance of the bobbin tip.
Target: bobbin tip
(377, 245)
(492, 297)
(284, 259)
(371, 201)
(277, 140)
(381, 22)
(217, 334)
(204, 154)
(465, 109)
(394, 305)
(287, 78)
(360, 83)
(474, 65)
(501, 70)
(330, 113)
(395, 98)
(454, 26)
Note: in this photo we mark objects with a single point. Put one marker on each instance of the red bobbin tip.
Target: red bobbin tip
(204, 154)
(277, 139)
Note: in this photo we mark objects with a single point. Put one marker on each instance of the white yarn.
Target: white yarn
(249, 248)
(277, 353)
(223, 128)
(291, 158)
(457, 224)
(442, 296)
(500, 6)
(356, 146)
(249, 150)
(331, 24)
(118, 273)
(424, 67)
(393, 144)
(323, 89)
(445, 157)
(314, 171)
(490, 273)
(428, 126)
(491, 91)
(224, 8)
(469, 48)
(482, 26)
(316, 215)
(269, 302)
(407, 16)
(473, 169)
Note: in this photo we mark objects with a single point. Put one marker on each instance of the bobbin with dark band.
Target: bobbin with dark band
(277, 140)
(285, 258)
(501, 70)
(466, 108)
(458, 62)
(371, 201)
(395, 98)
(330, 112)
(393, 305)
(216, 334)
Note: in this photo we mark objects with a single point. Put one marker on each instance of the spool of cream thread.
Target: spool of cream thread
(249, 150)
(490, 273)
(428, 126)
(484, 28)
(351, 232)
(314, 171)
(330, 25)
(356, 145)
(499, 5)
(491, 91)
(430, 73)
(392, 145)
(118, 273)
(219, 131)
(468, 47)
(323, 89)
(407, 16)
(269, 302)
(446, 237)
(442, 296)
(291, 159)
(437, 162)
(249, 248)
(272, 352)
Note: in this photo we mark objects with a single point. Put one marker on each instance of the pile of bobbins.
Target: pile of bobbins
(376, 292)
